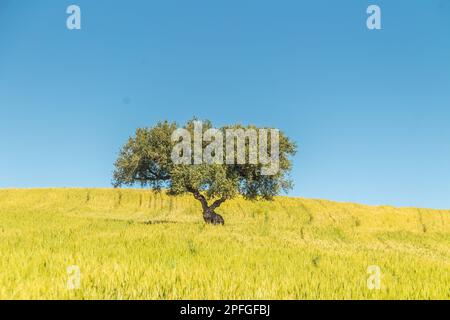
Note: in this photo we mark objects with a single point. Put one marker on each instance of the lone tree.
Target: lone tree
(213, 165)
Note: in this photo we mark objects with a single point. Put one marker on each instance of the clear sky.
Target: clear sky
(370, 110)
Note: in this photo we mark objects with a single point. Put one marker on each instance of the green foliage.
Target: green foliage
(146, 159)
(212, 180)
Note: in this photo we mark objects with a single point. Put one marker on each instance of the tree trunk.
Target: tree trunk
(209, 214)
(211, 217)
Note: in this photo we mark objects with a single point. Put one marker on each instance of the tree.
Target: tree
(152, 158)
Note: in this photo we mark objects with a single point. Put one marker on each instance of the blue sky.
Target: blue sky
(369, 110)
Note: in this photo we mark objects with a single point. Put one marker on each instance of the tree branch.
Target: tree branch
(159, 176)
(199, 197)
(217, 203)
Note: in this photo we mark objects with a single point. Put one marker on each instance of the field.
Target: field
(136, 244)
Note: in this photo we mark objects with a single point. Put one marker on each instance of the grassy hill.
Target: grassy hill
(139, 244)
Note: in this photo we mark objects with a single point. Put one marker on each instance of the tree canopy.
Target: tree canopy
(148, 159)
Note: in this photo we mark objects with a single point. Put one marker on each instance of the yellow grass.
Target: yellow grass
(135, 244)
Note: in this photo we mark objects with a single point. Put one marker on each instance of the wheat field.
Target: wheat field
(137, 244)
